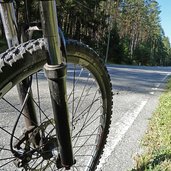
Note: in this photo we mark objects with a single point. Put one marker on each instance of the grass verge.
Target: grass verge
(157, 141)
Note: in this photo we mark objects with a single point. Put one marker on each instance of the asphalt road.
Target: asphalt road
(137, 90)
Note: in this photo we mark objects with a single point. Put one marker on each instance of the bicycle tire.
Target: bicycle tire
(20, 62)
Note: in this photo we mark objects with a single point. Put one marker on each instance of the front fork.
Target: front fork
(56, 75)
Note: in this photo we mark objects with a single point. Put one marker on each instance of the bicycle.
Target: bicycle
(61, 128)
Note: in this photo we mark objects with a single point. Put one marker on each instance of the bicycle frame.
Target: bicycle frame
(55, 71)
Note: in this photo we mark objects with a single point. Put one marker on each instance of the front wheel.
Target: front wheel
(89, 98)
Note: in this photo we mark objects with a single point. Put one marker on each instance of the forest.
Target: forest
(121, 31)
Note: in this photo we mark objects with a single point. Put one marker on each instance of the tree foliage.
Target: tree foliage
(141, 33)
(131, 28)
(136, 35)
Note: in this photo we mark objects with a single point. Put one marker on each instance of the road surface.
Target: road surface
(136, 93)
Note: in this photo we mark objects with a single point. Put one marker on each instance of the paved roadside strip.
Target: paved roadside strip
(122, 131)
(119, 130)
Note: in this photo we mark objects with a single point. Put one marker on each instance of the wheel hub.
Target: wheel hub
(26, 150)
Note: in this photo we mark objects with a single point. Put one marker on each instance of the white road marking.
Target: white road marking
(118, 131)
(152, 92)
(165, 77)
(158, 84)
(155, 88)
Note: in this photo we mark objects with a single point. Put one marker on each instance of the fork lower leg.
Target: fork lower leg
(56, 75)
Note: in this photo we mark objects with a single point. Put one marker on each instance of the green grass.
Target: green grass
(157, 142)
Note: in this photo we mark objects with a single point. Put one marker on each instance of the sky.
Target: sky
(165, 16)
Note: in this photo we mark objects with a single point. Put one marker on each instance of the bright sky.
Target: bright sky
(165, 16)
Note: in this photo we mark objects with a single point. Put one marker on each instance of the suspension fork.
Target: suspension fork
(9, 22)
(56, 74)
(8, 17)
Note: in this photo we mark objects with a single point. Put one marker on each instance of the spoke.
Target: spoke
(73, 90)
(93, 101)
(86, 123)
(38, 96)
(92, 122)
(15, 108)
(89, 145)
(54, 162)
(85, 119)
(76, 135)
(24, 114)
(13, 137)
(80, 101)
(75, 82)
(35, 163)
(43, 112)
(7, 158)
(9, 133)
(78, 166)
(4, 149)
(53, 167)
(51, 132)
(41, 165)
(7, 163)
(84, 155)
(84, 111)
(86, 141)
(75, 168)
(78, 104)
